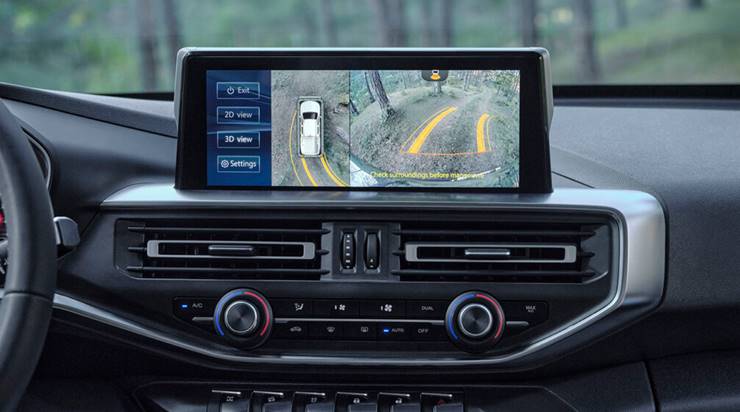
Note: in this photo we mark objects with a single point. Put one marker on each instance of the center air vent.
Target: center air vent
(223, 249)
(503, 251)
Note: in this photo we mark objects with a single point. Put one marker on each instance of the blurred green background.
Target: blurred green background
(119, 46)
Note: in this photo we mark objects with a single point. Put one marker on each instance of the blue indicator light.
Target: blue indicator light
(184, 305)
(386, 330)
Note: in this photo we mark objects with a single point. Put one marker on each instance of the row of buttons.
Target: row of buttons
(195, 309)
(301, 308)
(361, 330)
(228, 400)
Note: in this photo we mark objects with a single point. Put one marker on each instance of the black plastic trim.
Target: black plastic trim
(86, 106)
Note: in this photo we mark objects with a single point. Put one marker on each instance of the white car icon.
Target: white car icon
(310, 128)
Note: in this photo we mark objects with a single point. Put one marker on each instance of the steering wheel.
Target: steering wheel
(25, 309)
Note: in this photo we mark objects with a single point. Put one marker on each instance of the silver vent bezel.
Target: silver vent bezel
(411, 249)
(153, 248)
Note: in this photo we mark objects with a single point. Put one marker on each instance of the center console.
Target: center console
(374, 210)
(503, 281)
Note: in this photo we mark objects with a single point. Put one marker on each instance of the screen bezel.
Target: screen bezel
(534, 166)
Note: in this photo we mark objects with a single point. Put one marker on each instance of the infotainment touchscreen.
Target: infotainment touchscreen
(363, 128)
(419, 124)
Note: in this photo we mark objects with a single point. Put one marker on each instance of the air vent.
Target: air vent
(507, 251)
(223, 249)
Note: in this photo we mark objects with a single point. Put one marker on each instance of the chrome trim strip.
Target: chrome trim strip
(641, 267)
(224, 392)
(152, 249)
(269, 393)
(412, 252)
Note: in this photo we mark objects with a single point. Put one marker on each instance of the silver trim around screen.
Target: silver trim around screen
(641, 266)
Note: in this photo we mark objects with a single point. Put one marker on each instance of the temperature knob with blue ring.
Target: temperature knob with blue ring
(244, 317)
(475, 321)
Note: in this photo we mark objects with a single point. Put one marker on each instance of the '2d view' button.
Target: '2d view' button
(237, 115)
(238, 140)
(238, 90)
(238, 164)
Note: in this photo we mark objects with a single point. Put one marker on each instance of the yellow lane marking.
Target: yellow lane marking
(480, 132)
(422, 137)
(489, 138)
(290, 147)
(332, 176)
(419, 127)
(308, 173)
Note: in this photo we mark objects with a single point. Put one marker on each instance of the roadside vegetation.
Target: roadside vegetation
(114, 46)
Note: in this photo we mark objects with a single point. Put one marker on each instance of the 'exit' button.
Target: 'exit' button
(238, 90)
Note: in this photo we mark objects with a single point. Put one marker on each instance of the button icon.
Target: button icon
(238, 90)
(291, 329)
(237, 115)
(291, 308)
(325, 330)
(365, 331)
(393, 332)
(238, 140)
(425, 309)
(238, 164)
(428, 332)
(383, 309)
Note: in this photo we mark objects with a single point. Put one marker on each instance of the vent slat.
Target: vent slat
(182, 249)
(495, 251)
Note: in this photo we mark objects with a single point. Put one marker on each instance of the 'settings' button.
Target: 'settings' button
(238, 164)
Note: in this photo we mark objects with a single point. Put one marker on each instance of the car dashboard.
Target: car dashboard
(391, 300)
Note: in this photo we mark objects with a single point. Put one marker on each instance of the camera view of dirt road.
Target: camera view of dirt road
(394, 128)
(460, 131)
(330, 167)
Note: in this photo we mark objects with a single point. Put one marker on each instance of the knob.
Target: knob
(244, 317)
(475, 321)
(241, 317)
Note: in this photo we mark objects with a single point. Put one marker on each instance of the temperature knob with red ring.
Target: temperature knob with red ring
(475, 321)
(244, 317)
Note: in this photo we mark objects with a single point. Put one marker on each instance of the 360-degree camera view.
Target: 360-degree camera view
(366, 128)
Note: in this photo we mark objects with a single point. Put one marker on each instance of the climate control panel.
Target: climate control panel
(474, 321)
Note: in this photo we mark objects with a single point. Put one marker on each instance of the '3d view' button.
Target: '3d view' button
(238, 90)
(238, 140)
(237, 115)
(238, 164)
